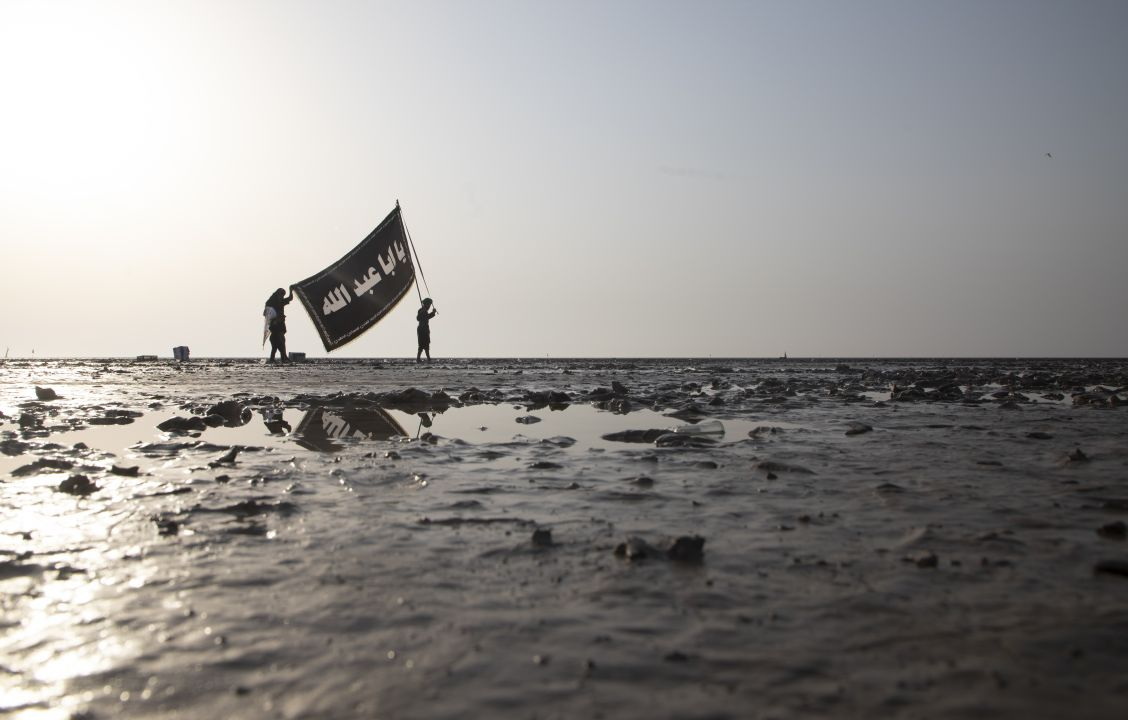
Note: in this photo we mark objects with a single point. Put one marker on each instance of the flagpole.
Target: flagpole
(414, 252)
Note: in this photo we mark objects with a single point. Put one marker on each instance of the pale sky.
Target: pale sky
(610, 178)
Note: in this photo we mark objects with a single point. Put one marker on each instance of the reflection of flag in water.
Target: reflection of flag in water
(321, 426)
(354, 293)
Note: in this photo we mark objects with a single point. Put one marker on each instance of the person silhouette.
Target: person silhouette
(275, 314)
(423, 332)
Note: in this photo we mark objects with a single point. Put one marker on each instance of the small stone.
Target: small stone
(924, 559)
(1112, 567)
(858, 428)
(542, 537)
(687, 549)
(1078, 456)
(633, 549)
(1114, 530)
(228, 457)
(45, 394)
(528, 419)
(126, 471)
(78, 485)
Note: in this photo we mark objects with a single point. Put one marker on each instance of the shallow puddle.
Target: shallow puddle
(328, 429)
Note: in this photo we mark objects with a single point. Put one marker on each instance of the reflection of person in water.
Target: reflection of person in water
(275, 422)
(275, 314)
(424, 330)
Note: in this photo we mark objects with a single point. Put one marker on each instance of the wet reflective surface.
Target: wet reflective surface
(883, 538)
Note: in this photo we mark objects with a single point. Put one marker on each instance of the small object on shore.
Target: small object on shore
(1112, 567)
(228, 457)
(772, 466)
(146, 358)
(78, 485)
(687, 549)
(126, 471)
(542, 537)
(1078, 456)
(858, 428)
(180, 424)
(233, 413)
(635, 436)
(528, 419)
(1037, 435)
(45, 393)
(29, 421)
(634, 549)
(1114, 530)
(180, 352)
(926, 559)
(42, 464)
(297, 356)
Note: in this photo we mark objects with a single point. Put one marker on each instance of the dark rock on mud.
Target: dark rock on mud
(78, 485)
(1114, 530)
(528, 419)
(250, 508)
(43, 464)
(45, 393)
(30, 421)
(13, 447)
(1077, 456)
(635, 549)
(233, 412)
(682, 549)
(1112, 567)
(858, 428)
(924, 560)
(778, 467)
(180, 424)
(690, 413)
(542, 537)
(132, 471)
(166, 525)
(687, 549)
(671, 439)
(228, 458)
(765, 430)
(636, 436)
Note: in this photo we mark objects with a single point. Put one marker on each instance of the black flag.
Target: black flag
(352, 294)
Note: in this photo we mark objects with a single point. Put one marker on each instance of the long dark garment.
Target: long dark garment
(423, 332)
(278, 326)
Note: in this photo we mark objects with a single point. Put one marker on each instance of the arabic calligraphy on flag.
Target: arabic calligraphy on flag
(354, 293)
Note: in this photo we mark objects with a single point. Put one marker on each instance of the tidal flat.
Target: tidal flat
(587, 538)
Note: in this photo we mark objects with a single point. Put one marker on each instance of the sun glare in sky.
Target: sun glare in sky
(93, 122)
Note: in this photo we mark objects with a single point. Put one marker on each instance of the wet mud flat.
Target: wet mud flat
(559, 539)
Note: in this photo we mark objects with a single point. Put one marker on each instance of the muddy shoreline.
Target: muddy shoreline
(564, 538)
